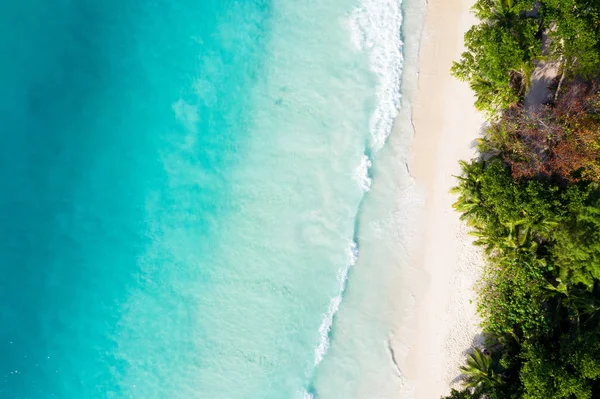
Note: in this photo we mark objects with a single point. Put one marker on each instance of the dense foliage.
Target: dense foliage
(533, 202)
(574, 26)
(499, 55)
(541, 300)
(561, 141)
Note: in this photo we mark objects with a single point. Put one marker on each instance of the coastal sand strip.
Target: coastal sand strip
(446, 125)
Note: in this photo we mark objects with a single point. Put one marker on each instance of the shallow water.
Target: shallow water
(184, 197)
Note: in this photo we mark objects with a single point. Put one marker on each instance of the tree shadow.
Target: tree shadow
(478, 341)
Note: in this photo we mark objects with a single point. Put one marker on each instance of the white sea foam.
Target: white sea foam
(334, 305)
(361, 174)
(306, 395)
(375, 29)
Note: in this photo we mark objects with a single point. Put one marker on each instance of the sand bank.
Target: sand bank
(446, 124)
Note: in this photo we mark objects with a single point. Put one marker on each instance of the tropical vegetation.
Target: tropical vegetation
(532, 200)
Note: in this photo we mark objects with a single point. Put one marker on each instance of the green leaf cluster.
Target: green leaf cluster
(566, 368)
(577, 246)
(539, 295)
(574, 26)
(501, 11)
(499, 55)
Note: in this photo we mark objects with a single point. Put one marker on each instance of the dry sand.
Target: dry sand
(446, 125)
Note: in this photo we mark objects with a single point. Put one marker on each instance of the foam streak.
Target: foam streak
(334, 305)
(361, 175)
(375, 27)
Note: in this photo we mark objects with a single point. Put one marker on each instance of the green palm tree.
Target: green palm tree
(486, 94)
(469, 193)
(504, 11)
(482, 370)
(496, 11)
(521, 233)
(508, 242)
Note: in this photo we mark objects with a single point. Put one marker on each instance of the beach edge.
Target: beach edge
(446, 125)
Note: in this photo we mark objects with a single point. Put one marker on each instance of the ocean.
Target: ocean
(204, 199)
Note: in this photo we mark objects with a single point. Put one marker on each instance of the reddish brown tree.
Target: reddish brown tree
(560, 141)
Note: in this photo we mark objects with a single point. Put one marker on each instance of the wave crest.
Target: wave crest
(361, 174)
(375, 29)
(334, 305)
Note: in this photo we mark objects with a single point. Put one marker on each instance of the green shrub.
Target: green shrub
(498, 60)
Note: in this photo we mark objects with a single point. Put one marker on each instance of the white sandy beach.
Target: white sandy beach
(446, 124)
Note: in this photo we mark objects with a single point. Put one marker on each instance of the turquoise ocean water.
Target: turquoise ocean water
(184, 186)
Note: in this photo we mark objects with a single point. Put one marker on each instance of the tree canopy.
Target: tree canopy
(499, 55)
(532, 200)
(574, 26)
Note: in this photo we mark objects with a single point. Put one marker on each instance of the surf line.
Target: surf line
(375, 27)
(325, 328)
(363, 179)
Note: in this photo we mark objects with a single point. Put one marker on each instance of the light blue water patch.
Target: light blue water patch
(181, 182)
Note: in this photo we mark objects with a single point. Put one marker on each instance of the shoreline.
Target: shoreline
(445, 126)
